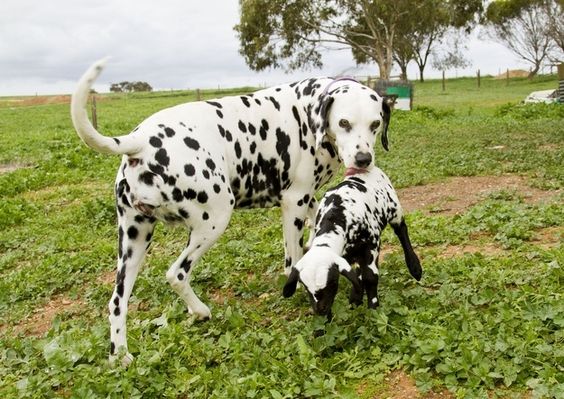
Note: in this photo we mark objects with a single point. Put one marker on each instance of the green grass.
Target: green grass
(476, 324)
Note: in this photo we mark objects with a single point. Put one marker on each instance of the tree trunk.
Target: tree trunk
(421, 68)
(403, 73)
(534, 71)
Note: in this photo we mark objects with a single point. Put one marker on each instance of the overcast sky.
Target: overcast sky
(45, 45)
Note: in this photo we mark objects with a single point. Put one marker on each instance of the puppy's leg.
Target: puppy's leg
(293, 219)
(370, 273)
(355, 297)
(202, 237)
(311, 215)
(135, 234)
(411, 259)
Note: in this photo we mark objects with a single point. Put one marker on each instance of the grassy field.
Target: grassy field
(486, 321)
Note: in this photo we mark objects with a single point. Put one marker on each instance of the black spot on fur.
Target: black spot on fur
(177, 194)
(189, 170)
(221, 130)
(275, 103)
(219, 113)
(242, 127)
(202, 197)
(263, 129)
(238, 150)
(155, 142)
(147, 177)
(183, 213)
(211, 164)
(245, 101)
(205, 216)
(190, 194)
(169, 132)
(299, 223)
(162, 157)
(216, 188)
(186, 264)
(215, 104)
(191, 143)
(132, 232)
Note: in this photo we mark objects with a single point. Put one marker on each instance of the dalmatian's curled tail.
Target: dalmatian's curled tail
(91, 137)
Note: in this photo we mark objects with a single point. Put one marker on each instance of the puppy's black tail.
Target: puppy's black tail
(411, 259)
(91, 137)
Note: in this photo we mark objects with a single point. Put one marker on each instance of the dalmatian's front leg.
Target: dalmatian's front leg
(370, 275)
(294, 211)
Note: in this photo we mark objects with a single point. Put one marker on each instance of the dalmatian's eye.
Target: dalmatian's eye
(345, 124)
(375, 125)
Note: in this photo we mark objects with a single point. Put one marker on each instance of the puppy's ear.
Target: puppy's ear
(346, 270)
(387, 106)
(318, 118)
(291, 283)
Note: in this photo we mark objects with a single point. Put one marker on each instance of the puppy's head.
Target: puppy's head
(351, 116)
(319, 272)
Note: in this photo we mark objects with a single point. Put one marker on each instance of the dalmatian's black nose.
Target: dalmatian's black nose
(363, 159)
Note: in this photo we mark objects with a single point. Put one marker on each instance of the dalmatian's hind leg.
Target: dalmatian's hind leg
(135, 233)
(202, 237)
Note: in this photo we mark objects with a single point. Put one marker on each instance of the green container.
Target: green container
(400, 91)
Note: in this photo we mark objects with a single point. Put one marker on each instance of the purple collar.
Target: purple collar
(338, 80)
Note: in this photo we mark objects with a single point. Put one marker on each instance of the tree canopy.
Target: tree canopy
(531, 29)
(292, 34)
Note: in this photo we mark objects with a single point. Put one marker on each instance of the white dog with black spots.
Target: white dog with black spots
(348, 228)
(194, 163)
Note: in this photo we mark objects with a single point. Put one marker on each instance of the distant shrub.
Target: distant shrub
(433, 113)
(531, 111)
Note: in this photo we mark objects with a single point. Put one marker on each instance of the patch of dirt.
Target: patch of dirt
(399, 385)
(11, 167)
(456, 194)
(486, 249)
(107, 278)
(42, 318)
(549, 237)
(514, 73)
(36, 100)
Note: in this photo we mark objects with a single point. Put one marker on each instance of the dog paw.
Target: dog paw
(126, 359)
(202, 313)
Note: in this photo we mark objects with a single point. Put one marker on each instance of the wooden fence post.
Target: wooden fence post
(507, 77)
(444, 88)
(478, 78)
(94, 113)
(198, 95)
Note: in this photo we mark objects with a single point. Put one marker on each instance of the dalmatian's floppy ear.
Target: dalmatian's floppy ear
(346, 270)
(318, 120)
(387, 106)
(291, 283)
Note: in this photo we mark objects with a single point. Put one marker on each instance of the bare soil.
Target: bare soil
(42, 318)
(11, 167)
(456, 194)
(399, 385)
(514, 73)
(35, 100)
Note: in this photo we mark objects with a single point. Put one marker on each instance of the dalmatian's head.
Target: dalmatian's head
(350, 117)
(319, 271)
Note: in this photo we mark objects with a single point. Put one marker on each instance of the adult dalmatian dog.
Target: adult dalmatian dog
(194, 163)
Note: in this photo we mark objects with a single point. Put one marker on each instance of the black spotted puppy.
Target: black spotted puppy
(349, 223)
